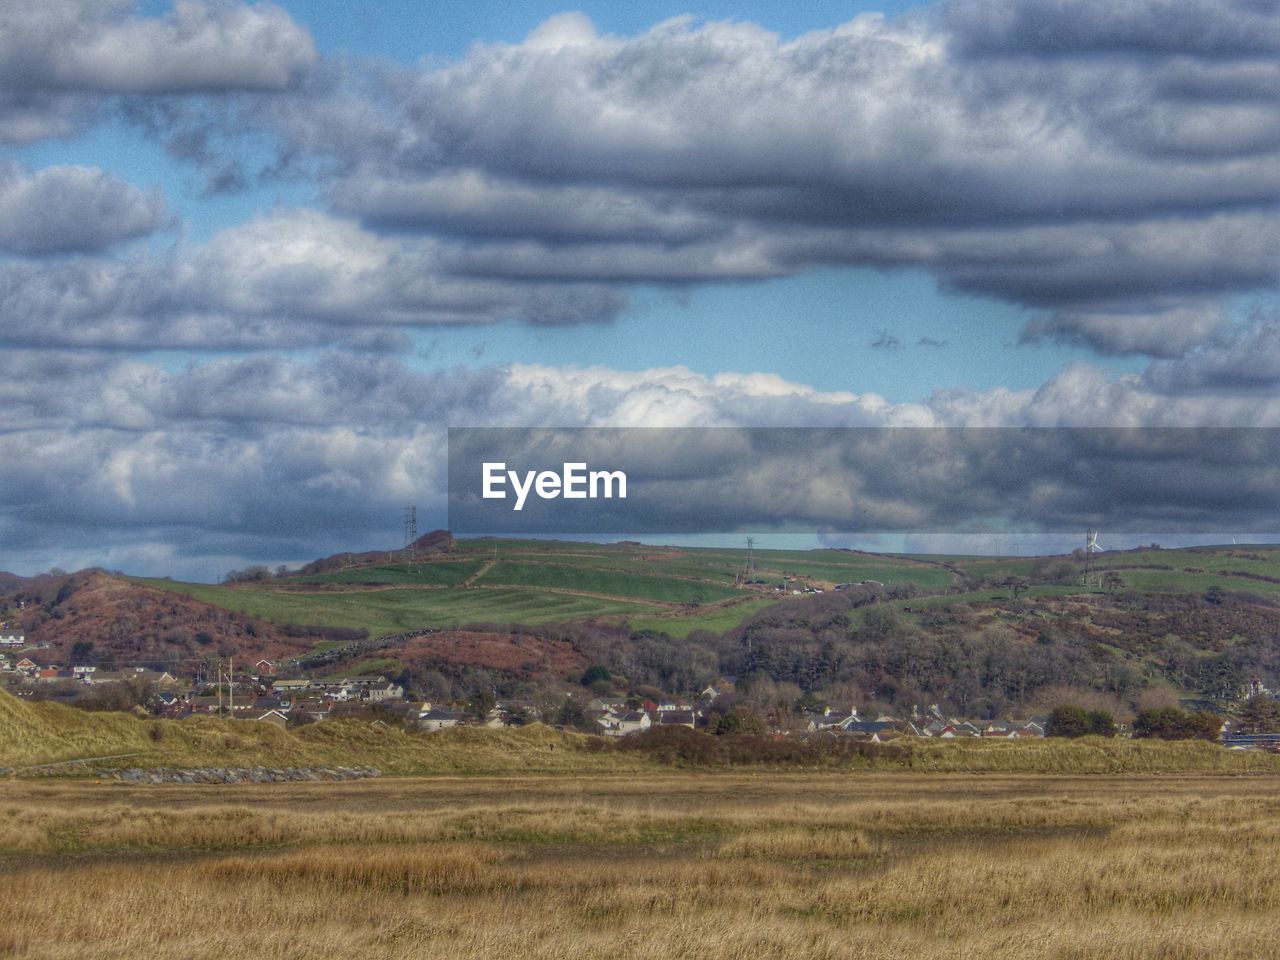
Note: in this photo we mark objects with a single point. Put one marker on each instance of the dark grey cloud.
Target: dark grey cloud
(1243, 358)
(109, 47)
(1114, 169)
(1105, 165)
(289, 279)
(114, 461)
(468, 203)
(68, 209)
(1227, 28)
(935, 480)
(59, 59)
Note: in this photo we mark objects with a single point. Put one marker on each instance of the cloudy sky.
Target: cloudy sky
(255, 258)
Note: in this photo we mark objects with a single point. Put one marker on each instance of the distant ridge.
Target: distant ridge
(429, 544)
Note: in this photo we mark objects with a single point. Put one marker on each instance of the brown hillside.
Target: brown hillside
(429, 544)
(129, 623)
(526, 655)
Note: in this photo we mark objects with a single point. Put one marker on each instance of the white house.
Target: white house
(438, 719)
(392, 691)
(11, 637)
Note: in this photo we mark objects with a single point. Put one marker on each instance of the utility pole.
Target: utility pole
(410, 532)
(231, 686)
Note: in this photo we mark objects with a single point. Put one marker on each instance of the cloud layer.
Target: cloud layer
(270, 459)
(1112, 169)
(1115, 171)
(59, 59)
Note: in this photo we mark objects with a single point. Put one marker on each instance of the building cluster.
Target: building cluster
(266, 698)
(617, 718)
(26, 670)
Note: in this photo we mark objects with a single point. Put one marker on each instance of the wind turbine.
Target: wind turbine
(1090, 548)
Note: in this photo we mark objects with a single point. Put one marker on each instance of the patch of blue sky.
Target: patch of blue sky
(143, 162)
(817, 329)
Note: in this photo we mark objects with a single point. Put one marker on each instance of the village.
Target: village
(257, 693)
(280, 694)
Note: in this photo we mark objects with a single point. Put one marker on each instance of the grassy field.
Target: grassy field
(674, 590)
(531, 582)
(42, 733)
(397, 609)
(779, 867)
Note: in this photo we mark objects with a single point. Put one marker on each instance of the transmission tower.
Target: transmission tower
(410, 531)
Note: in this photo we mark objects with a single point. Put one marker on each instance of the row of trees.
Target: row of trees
(1164, 723)
(1072, 721)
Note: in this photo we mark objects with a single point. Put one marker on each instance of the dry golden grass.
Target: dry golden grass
(33, 734)
(780, 866)
(40, 733)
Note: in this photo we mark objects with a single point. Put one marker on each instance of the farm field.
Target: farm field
(531, 582)
(664, 865)
(676, 591)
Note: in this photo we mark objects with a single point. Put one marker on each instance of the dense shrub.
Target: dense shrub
(1170, 723)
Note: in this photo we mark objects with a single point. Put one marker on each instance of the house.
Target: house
(390, 691)
(10, 637)
(313, 708)
(677, 718)
(265, 668)
(274, 717)
(633, 722)
(873, 729)
(830, 720)
(439, 719)
(27, 665)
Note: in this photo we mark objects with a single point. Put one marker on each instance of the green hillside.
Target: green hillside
(677, 590)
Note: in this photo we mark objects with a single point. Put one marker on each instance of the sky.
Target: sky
(255, 258)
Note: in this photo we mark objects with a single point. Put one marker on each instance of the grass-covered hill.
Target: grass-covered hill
(531, 582)
(977, 634)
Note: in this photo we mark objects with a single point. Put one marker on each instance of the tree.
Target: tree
(1068, 721)
(1099, 723)
(571, 714)
(478, 706)
(1170, 723)
(253, 574)
(740, 718)
(594, 673)
(1260, 714)
(1112, 582)
(1016, 586)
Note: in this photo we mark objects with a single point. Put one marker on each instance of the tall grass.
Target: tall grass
(678, 865)
(33, 734)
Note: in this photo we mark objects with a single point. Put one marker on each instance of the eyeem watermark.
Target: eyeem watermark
(574, 482)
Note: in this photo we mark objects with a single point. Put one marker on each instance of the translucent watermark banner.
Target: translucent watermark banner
(549, 481)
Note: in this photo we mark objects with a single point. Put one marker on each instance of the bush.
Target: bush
(1068, 721)
(1099, 723)
(253, 574)
(681, 746)
(1170, 723)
